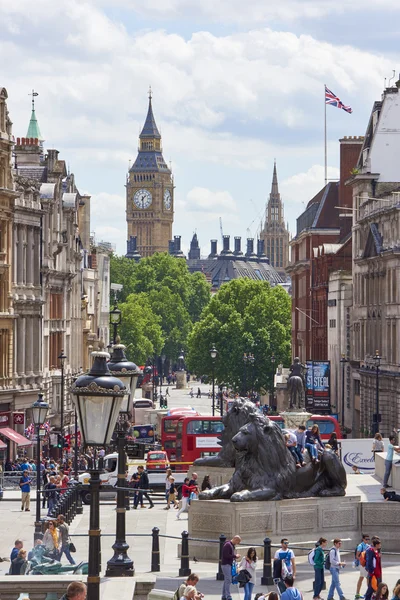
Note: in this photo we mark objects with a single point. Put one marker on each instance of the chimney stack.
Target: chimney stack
(238, 246)
(250, 249)
(214, 252)
(132, 249)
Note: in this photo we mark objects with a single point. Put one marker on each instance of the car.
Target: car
(157, 461)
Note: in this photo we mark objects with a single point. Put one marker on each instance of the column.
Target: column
(30, 257)
(24, 254)
(18, 255)
(29, 346)
(22, 344)
(36, 264)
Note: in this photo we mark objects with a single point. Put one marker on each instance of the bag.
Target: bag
(311, 555)
(277, 568)
(328, 559)
(243, 577)
(71, 546)
(363, 558)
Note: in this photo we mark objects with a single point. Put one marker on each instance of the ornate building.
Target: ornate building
(274, 233)
(150, 193)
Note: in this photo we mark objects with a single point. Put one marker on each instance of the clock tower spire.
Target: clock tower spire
(150, 192)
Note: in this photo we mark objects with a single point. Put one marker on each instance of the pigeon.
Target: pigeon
(195, 559)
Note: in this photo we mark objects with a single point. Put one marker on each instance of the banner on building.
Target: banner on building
(318, 385)
(4, 419)
(143, 434)
(19, 418)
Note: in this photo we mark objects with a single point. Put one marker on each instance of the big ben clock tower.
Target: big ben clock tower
(150, 193)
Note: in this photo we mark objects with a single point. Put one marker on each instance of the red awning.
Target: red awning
(15, 437)
(3, 446)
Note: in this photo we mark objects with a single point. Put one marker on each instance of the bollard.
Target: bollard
(220, 575)
(266, 578)
(184, 571)
(155, 550)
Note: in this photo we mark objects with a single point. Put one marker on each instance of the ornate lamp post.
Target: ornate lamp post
(251, 360)
(377, 416)
(115, 320)
(343, 362)
(245, 360)
(39, 413)
(213, 354)
(120, 565)
(98, 397)
(273, 379)
(62, 358)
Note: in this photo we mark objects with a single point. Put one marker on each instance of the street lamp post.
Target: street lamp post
(98, 397)
(39, 413)
(221, 405)
(377, 416)
(245, 360)
(120, 565)
(343, 361)
(251, 361)
(62, 358)
(213, 354)
(115, 320)
(273, 379)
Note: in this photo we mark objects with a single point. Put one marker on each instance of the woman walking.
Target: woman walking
(51, 540)
(319, 565)
(249, 562)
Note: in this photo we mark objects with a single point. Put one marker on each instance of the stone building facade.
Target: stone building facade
(274, 233)
(150, 193)
(376, 266)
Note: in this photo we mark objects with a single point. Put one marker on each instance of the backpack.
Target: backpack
(311, 556)
(176, 595)
(328, 559)
(363, 558)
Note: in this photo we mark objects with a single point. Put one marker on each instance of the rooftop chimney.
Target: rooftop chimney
(226, 251)
(250, 249)
(238, 246)
(171, 247)
(214, 250)
(177, 243)
(132, 249)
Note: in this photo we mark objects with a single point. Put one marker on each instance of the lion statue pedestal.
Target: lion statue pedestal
(295, 418)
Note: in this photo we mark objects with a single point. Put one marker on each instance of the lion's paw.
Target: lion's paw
(241, 496)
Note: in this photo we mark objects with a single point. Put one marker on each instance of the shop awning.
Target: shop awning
(15, 437)
(3, 446)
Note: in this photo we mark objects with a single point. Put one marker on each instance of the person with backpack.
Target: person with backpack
(360, 561)
(317, 558)
(373, 566)
(286, 558)
(334, 563)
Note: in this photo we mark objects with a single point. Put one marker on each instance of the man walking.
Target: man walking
(373, 565)
(143, 485)
(228, 556)
(287, 558)
(389, 459)
(25, 485)
(335, 565)
(64, 535)
(364, 545)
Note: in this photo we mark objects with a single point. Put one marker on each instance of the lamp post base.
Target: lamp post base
(120, 565)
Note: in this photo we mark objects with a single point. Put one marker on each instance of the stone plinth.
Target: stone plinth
(301, 520)
(394, 479)
(295, 418)
(218, 475)
(181, 380)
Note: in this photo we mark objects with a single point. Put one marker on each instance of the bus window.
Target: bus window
(325, 427)
(217, 426)
(170, 425)
(203, 427)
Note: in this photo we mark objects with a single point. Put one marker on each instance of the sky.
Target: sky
(235, 86)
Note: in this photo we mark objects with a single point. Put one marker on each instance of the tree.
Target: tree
(122, 271)
(245, 316)
(141, 330)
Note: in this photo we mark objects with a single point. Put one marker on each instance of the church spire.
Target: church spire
(33, 128)
(274, 187)
(150, 129)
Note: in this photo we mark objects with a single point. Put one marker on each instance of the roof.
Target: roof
(150, 129)
(321, 212)
(224, 269)
(31, 172)
(150, 160)
(33, 129)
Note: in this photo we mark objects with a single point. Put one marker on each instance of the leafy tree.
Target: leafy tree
(122, 271)
(245, 316)
(141, 330)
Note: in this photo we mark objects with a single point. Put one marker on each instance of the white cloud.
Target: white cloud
(203, 200)
(300, 188)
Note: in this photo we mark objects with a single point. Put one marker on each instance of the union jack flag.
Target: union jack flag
(333, 100)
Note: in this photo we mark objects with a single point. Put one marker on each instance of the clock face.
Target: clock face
(167, 200)
(142, 198)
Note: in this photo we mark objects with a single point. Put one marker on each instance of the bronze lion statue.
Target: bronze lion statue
(265, 469)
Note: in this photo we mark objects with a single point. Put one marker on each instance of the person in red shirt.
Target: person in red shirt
(186, 491)
(373, 565)
(64, 481)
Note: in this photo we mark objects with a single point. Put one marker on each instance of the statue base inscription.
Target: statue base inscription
(295, 418)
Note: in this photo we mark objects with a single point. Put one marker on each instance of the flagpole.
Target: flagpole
(326, 151)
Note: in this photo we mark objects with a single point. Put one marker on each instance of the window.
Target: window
(332, 323)
(170, 426)
(55, 349)
(203, 427)
(56, 306)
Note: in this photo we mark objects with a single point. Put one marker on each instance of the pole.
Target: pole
(38, 527)
(266, 578)
(377, 399)
(155, 550)
(62, 410)
(120, 565)
(76, 447)
(185, 570)
(326, 147)
(343, 363)
(220, 574)
(93, 579)
(213, 390)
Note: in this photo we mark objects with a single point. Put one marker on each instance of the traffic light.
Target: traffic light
(60, 441)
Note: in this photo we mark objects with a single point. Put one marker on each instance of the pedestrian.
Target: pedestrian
(396, 591)
(17, 547)
(19, 565)
(362, 546)
(51, 494)
(198, 393)
(189, 593)
(300, 434)
(172, 494)
(186, 491)
(389, 460)
(291, 445)
(291, 593)
(286, 558)
(192, 580)
(75, 591)
(313, 443)
(64, 539)
(377, 444)
(51, 540)
(228, 557)
(64, 479)
(25, 485)
(382, 593)
(144, 485)
(333, 442)
(167, 391)
(319, 565)
(191, 393)
(390, 496)
(373, 566)
(168, 474)
(335, 565)
(206, 484)
(194, 483)
(249, 563)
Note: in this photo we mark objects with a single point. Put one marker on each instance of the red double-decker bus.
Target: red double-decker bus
(196, 437)
(169, 425)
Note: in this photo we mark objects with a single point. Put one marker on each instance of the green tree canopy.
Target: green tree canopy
(245, 316)
(174, 295)
(141, 330)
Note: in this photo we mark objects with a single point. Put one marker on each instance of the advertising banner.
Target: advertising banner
(358, 453)
(318, 385)
(4, 419)
(143, 434)
(208, 442)
(19, 418)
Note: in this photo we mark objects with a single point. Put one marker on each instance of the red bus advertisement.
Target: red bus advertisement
(169, 425)
(197, 436)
